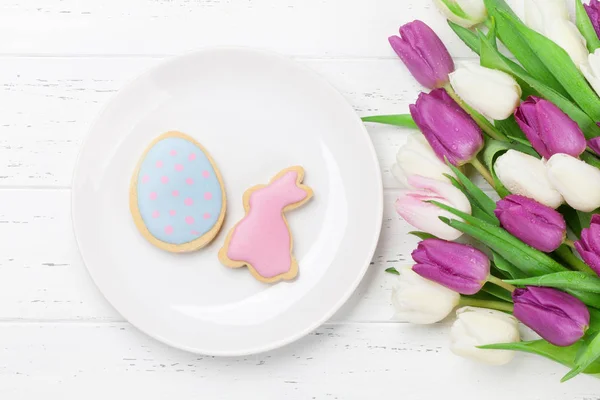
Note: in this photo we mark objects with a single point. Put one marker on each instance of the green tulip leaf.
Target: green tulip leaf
(466, 35)
(478, 196)
(497, 292)
(562, 280)
(594, 320)
(585, 27)
(422, 235)
(494, 149)
(392, 271)
(403, 120)
(559, 63)
(509, 269)
(511, 129)
(519, 47)
(563, 355)
(476, 210)
(588, 357)
(491, 58)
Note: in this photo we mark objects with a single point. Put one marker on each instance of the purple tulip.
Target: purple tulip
(423, 53)
(549, 130)
(594, 144)
(539, 226)
(588, 246)
(593, 11)
(456, 266)
(556, 316)
(450, 131)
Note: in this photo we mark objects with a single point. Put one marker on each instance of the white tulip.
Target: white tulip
(480, 326)
(421, 301)
(591, 70)
(493, 93)
(413, 206)
(469, 12)
(417, 157)
(526, 175)
(551, 19)
(577, 182)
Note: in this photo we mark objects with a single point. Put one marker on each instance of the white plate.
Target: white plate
(256, 113)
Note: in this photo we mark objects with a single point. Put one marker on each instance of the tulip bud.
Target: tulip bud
(591, 70)
(417, 157)
(538, 225)
(421, 301)
(576, 181)
(588, 246)
(476, 327)
(549, 130)
(551, 19)
(423, 53)
(450, 131)
(493, 93)
(558, 317)
(456, 266)
(523, 174)
(466, 13)
(413, 206)
(593, 11)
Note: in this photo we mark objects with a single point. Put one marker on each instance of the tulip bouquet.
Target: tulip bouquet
(527, 122)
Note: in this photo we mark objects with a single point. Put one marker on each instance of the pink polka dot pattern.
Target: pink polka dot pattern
(168, 229)
(207, 196)
(189, 181)
(145, 179)
(175, 193)
(173, 153)
(159, 164)
(206, 215)
(196, 233)
(164, 179)
(155, 214)
(189, 220)
(179, 167)
(153, 195)
(206, 174)
(192, 156)
(172, 213)
(189, 201)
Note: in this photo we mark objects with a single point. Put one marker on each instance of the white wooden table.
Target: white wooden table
(60, 60)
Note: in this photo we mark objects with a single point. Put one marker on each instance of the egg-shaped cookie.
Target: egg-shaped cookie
(177, 198)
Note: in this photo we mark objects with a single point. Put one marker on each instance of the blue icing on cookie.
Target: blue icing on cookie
(178, 193)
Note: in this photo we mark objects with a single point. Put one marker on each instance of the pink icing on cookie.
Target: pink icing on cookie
(207, 196)
(189, 181)
(205, 174)
(192, 156)
(179, 167)
(172, 213)
(262, 238)
(164, 179)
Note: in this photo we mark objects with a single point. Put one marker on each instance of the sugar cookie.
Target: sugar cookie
(262, 240)
(177, 198)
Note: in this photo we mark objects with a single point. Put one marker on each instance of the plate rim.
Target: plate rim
(379, 211)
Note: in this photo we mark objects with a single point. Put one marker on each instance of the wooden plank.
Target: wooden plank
(49, 103)
(354, 361)
(42, 276)
(321, 28)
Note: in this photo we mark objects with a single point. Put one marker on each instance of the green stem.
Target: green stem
(569, 243)
(501, 283)
(574, 262)
(483, 123)
(483, 171)
(494, 305)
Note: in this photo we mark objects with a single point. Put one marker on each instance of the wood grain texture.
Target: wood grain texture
(349, 362)
(315, 28)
